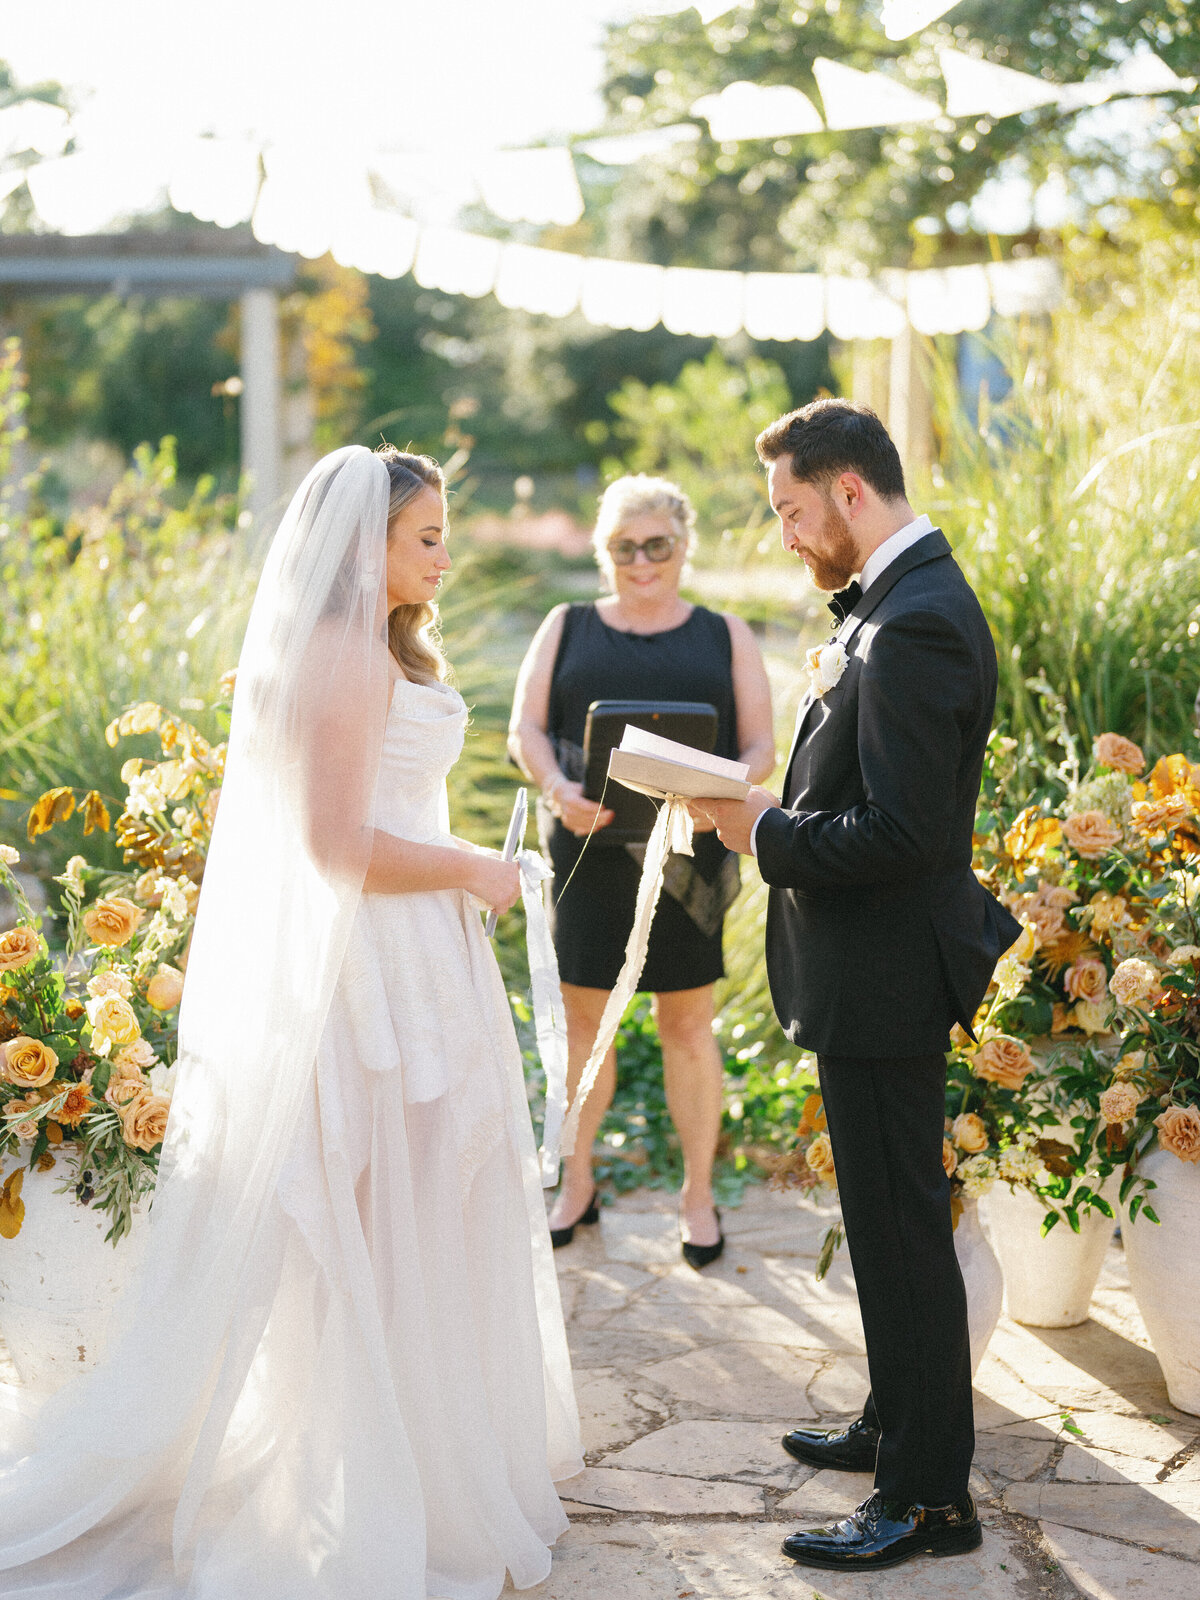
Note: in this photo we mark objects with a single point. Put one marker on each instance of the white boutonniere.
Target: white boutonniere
(826, 663)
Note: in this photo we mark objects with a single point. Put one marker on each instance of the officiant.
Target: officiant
(640, 641)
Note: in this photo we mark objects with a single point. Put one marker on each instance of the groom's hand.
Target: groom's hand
(734, 819)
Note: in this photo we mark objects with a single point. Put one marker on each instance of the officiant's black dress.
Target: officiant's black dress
(594, 912)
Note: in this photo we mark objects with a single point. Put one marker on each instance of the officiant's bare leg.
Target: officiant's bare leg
(583, 1009)
(693, 1081)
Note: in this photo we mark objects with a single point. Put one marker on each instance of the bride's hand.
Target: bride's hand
(494, 881)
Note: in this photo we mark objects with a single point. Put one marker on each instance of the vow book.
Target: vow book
(660, 767)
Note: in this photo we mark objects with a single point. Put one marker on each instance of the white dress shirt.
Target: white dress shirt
(880, 558)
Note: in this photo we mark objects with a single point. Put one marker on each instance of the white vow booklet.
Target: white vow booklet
(660, 767)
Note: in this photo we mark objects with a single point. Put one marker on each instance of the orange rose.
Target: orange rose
(27, 1063)
(144, 1120)
(18, 947)
(112, 922)
(1091, 833)
(949, 1159)
(969, 1133)
(76, 1105)
(165, 989)
(1118, 753)
(1003, 1060)
(1179, 1132)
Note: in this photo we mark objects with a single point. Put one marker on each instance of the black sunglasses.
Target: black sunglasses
(658, 549)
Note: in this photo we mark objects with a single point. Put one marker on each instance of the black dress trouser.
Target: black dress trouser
(886, 1118)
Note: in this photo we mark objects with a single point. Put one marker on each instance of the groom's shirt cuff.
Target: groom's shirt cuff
(754, 834)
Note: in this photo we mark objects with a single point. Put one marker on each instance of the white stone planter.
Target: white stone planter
(1164, 1273)
(59, 1282)
(981, 1278)
(1048, 1282)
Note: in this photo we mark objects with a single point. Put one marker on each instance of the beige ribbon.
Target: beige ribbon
(549, 1019)
(672, 832)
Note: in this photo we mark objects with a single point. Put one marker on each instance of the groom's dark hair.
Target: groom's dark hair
(826, 437)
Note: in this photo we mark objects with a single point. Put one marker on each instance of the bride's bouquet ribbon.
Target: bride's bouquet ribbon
(672, 832)
(549, 1019)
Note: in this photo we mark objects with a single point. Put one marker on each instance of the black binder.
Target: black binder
(691, 722)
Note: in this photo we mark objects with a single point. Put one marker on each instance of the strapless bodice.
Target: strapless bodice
(426, 725)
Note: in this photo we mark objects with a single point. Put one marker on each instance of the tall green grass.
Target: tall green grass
(1074, 503)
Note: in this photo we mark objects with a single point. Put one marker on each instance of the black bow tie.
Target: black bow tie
(844, 601)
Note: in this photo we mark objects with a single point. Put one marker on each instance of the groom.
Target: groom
(879, 939)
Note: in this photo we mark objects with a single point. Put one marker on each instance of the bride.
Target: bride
(342, 1369)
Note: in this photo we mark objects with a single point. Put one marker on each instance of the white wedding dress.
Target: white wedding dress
(406, 1402)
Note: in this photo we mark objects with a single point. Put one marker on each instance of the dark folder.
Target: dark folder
(691, 722)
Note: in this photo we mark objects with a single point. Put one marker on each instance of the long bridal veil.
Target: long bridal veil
(141, 1454)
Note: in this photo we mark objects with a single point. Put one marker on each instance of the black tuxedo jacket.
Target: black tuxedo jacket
(879, 935)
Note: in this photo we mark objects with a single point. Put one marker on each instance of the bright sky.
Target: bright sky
(418, 74)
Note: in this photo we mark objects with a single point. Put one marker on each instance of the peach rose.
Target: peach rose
(1134, 983)
(28, 1063)
(136, 1057)
(112, 922)
(969, 1133)
(819, 1156)
(26, 1130)
(113, 1022)
(110, 982)
(949, 1159)
(1118, 753)
(1119, 1102)
(18, 947)
(165, 989)
(1003, 1060)
(144, 1119)
(1179, 1132)
(1091, 833)
(1158, 816)
(1086, 980)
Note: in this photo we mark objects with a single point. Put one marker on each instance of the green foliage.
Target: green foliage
(1073, 503)
(144, 598)
(829, 199)
(699, 431)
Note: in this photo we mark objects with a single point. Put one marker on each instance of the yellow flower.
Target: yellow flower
(949, 1158)
(1031, 836)
(113, 1021)
(110, 982)
(819, 1157)
(27, 1063)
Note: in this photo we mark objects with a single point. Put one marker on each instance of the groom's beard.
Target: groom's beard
(832, 567)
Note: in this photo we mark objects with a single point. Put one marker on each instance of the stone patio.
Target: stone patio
(687, 1380)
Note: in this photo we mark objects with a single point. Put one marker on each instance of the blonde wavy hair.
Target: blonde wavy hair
(639, 495)
(413, 636)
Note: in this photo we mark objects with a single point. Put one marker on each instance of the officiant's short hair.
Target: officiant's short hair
(826, 437)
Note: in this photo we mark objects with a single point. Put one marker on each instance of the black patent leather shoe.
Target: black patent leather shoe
(563, 1236)
(883, 1532)
(851, 1449)
(700, 1255)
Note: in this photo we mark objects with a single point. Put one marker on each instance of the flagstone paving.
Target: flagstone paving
(686, 1381)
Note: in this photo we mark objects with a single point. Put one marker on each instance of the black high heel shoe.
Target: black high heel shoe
(701, 1255)
(563, 1236)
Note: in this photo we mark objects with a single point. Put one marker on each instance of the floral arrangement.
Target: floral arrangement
(1086, 1049)
(1104, 978)
(88, 1033)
